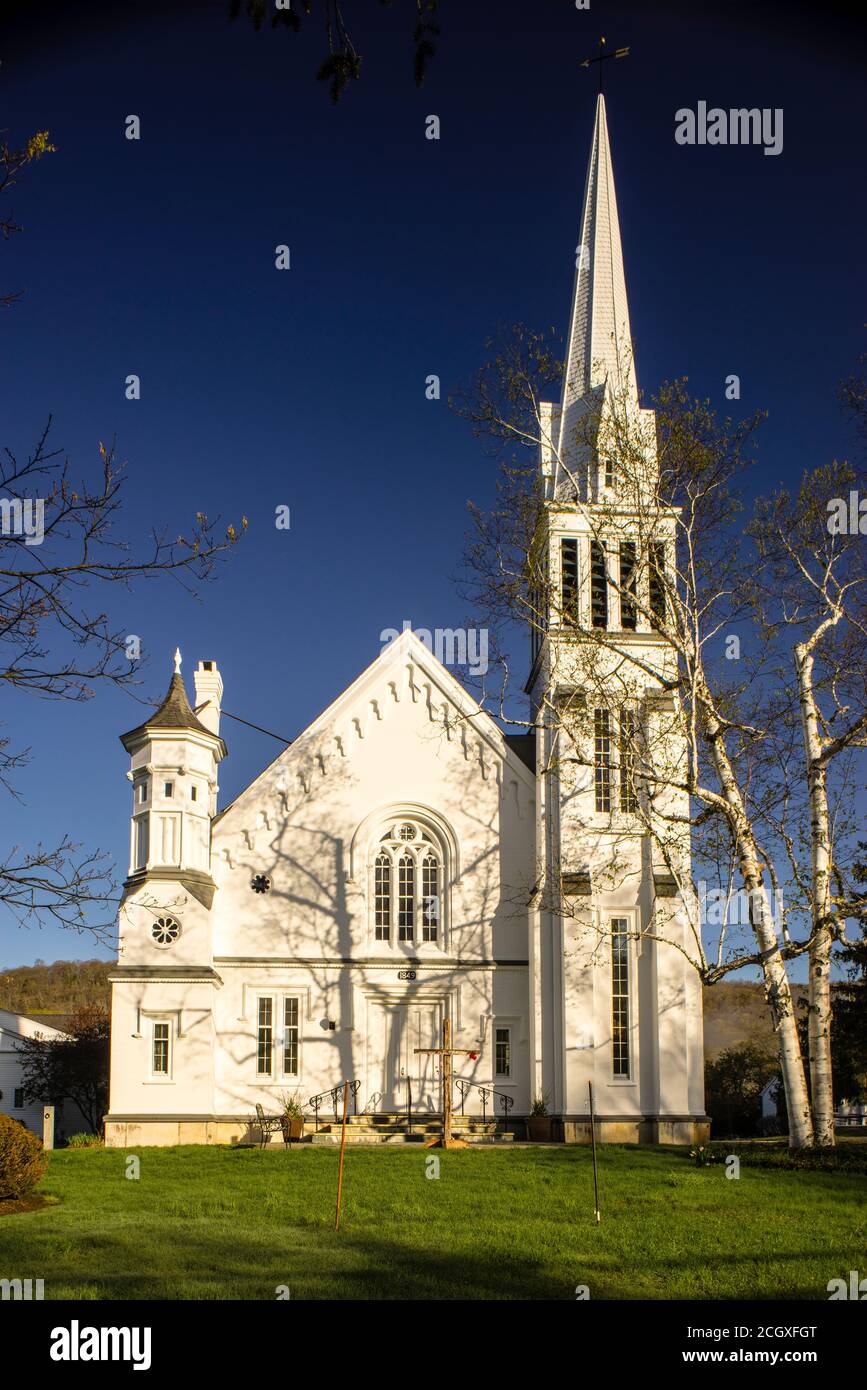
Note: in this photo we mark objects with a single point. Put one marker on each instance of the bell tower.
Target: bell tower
(174, 757)
(626, 1004)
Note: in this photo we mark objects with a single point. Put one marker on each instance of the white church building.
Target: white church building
(381, 876)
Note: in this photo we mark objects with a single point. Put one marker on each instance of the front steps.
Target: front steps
(394, 1129)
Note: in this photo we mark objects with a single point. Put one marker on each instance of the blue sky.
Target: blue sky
(306, 387)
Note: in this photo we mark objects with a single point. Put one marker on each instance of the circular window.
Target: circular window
(406, 832)
(165, 930)
(261, 883)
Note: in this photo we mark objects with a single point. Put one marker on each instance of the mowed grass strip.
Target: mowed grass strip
(219, 1223)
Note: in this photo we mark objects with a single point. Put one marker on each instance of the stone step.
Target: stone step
(416, 1127)
(332, 1140)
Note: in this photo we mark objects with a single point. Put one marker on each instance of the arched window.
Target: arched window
(406, 898)
(408, 885)
(382, 896)
(430, 896)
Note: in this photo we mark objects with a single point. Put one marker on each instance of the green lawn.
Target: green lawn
(236, 1223)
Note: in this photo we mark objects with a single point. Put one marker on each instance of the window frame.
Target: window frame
(657, 594)
(602, 760)
(627, 737)
(507, 1075)
(600, 605)
(261, 1045)
(277, 1028)
(571, 569)
(621, 1030)
(628, 581)
(286, 999)
(166, 1073)
(414, 917)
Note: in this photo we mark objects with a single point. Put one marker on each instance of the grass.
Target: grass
(215, 1223)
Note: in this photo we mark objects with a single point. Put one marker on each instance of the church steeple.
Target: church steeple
(599, 351)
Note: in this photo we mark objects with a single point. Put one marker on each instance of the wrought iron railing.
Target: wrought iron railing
(499, 1098)
(336, 1094)
(490, 1097)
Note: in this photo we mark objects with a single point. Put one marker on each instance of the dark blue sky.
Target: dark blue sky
(307, 387)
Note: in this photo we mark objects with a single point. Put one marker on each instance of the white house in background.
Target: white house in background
(377, 878)
(14, 1027)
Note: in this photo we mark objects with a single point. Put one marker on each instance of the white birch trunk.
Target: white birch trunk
(819, 992)
(777, 986)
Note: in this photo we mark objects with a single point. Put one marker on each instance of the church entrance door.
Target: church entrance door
(396, 1070)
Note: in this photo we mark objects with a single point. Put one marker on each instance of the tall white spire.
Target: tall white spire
(600, 344)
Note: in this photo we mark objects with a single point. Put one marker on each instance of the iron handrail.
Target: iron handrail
(335, 1092)
(506, 1102)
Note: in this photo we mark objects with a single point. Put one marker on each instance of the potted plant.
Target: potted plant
(539, 1124)
(292, 1119)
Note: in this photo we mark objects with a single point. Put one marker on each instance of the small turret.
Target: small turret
(174, 756)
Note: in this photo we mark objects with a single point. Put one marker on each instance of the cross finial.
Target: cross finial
(177, 661)
(602, 56)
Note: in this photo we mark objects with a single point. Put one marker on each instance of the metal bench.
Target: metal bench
(266, 1125)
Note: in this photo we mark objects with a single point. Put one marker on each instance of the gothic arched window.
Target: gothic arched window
(408, 885)
(382, 896)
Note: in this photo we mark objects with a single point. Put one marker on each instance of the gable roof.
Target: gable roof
(27, 1025)
(408, 648)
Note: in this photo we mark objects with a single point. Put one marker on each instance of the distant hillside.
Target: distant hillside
(59, 988)
(737, 1013)
(733, 1013)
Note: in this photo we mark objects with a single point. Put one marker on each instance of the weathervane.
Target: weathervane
(601, 58)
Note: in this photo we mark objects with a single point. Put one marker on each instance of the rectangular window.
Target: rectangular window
(406, 899)
(290, 1037)
(602, 758)
(598, 585)
(620, 996)
(194, 793)
(265, 1037)
(628, 732)
(628, 611)
(18, 1098)
(142, 841)
(168, 788)
(569, 579)
(657, 583)
(608, 472)
(160, 1051)
(503, 1051)
(142, 791)
(382, 895)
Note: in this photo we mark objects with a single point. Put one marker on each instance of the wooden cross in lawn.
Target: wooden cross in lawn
(447, 1052)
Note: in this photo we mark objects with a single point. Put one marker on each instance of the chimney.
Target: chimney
(209, 693)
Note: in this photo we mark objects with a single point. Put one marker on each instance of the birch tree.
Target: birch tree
(812, 597)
